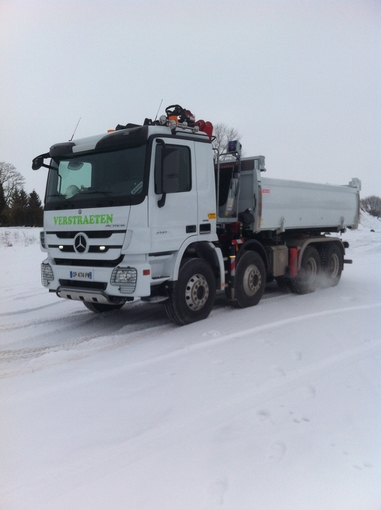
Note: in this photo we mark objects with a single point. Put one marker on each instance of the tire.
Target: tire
(100, 307)
(283, 283)
(331, 257)
(308, 276)
(192, 296)
(250, 280)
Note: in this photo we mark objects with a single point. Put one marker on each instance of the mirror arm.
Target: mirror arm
(49, 166)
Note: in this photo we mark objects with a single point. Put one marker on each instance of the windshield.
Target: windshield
(97, 180)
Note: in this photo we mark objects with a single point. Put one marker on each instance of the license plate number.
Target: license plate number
(82, 275)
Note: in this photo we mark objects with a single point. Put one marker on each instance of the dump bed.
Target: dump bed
(297, 205)
(288, 205)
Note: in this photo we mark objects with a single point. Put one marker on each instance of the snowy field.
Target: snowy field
(273, 407)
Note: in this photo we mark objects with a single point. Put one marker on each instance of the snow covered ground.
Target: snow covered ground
(273, 407)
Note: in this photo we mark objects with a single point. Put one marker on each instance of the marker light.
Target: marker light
(234, 146)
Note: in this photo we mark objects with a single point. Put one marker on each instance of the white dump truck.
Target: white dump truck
(152, 212)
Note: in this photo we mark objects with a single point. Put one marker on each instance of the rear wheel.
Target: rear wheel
(101, 307)
(192, 296)
(331, 257)
(283, 283)
(307, 279)
(250, 280)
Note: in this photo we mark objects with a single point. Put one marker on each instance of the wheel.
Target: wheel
(307, 279)
(192, 296)
(100, 307)
(250, 280)
(331, 257)
(283, 283)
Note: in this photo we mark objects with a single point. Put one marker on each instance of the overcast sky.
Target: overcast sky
(299, 79)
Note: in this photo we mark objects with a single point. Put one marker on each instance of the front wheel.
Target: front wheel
(192, 296)
(250, 280)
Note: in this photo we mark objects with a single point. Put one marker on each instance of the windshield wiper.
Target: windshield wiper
(96, 192)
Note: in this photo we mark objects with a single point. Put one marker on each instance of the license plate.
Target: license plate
(88, 274)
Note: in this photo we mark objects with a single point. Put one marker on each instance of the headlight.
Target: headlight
(125, 277)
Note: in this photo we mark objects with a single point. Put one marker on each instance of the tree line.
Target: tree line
(17, 208)
(372, 205)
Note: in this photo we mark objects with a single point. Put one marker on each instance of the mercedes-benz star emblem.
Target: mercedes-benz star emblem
(80, 243)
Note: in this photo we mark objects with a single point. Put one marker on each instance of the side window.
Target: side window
(172, 169)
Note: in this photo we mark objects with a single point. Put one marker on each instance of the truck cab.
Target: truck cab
(123, 210)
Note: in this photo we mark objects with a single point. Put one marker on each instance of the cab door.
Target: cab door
(172, 214)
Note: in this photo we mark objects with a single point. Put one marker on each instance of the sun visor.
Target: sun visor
(133, 137)
(61, 149)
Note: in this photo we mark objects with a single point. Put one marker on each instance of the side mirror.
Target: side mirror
(38, 161)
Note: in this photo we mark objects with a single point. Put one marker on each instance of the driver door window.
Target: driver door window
(172, 169)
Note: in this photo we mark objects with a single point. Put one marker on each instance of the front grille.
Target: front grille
(91, 234)
(88, 263)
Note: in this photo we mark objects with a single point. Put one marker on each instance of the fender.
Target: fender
(203, 249)
(254, 245)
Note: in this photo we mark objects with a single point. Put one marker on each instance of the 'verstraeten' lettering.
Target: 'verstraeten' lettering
(92, 219)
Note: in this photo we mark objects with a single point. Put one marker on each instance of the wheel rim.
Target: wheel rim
(196, 292)
(252, 280)
(334, 266)
(311, 270)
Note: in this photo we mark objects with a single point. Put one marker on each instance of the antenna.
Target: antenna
(72, 136)
(161, 102)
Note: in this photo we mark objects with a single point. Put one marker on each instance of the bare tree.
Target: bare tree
(223, 135)
(11, 180)
(372, 205)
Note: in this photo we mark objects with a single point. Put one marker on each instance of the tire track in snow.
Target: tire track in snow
(29, 310)
(250, 331)
(88, 333)
(113, 323)
(217, 340)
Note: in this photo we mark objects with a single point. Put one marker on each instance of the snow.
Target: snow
(273, 407)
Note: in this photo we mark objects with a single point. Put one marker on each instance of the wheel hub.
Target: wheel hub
(311, 270)
(196, 292)
(334, 266)
(252, 280)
